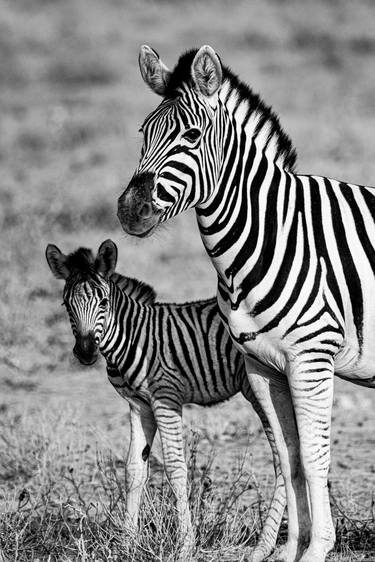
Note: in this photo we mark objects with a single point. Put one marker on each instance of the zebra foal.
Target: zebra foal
(159, 357)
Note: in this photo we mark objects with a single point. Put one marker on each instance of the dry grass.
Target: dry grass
(71, 104)
(62, 499)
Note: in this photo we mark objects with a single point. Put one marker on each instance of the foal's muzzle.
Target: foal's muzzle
(86, 349)
(136, 211)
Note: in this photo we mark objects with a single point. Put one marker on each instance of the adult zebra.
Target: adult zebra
(295, 257)
(159, 357)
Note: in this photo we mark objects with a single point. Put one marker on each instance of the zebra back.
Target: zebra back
(137, 290)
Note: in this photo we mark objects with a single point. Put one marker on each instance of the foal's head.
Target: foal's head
(86, 293)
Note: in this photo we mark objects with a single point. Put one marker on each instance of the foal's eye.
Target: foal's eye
(192, 134)
(103, 303)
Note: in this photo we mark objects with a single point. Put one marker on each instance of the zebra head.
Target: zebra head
(180, 157)
(86, 294)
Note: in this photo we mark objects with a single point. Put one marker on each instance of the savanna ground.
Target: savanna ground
(71, 104)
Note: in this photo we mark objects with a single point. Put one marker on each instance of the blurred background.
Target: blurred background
(71, 103)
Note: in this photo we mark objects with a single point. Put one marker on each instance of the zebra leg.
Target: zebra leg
(268, 536)
(142, 432)
(312, 394)
(273, 394)
(169, 421)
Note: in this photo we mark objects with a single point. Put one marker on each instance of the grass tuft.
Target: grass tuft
(62, 499)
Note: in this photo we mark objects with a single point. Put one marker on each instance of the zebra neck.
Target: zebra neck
(241, 225)
(124, 328)
(121, 320)
(246, 223)
(254, 127)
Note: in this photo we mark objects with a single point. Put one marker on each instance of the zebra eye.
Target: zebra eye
(103, 303)
(192, 134)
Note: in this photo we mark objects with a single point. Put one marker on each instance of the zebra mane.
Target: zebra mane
(137, 290)
(82, 265)
(285, 149)
(81, 262)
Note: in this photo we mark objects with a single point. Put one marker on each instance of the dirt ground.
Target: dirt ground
(71, 103)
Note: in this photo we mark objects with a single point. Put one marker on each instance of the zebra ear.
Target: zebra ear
(57, 262)
(206, 72)
(106, 259)
(153, 70)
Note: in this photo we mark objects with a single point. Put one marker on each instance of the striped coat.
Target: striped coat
(295, 257)
(159, 357)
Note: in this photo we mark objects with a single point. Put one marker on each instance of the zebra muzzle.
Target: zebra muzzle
(136, 211)
(86, 349)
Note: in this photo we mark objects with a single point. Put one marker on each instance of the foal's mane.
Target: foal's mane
(83, 266)
(81, 261)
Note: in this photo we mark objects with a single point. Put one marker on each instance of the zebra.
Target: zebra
(294, 255)
(159, 356)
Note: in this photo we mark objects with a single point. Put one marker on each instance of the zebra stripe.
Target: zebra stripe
(295, 256)
(160, 356)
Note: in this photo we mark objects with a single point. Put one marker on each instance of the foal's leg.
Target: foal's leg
(272, 392)
(142, 432)
(168, 416)
(268, 536)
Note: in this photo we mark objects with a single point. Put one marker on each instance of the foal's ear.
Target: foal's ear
(206, 72)
(57, 262)
(153, 70)
(106, 259)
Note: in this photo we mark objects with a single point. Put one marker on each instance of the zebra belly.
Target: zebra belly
(214, 395)
(273, 350)
(220, 380)
(355, 367)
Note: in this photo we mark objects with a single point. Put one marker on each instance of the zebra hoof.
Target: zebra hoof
(255, 554)
(284, 553)
(314, 555)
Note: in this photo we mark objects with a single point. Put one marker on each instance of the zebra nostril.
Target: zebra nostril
(145, 210)
(97, 340)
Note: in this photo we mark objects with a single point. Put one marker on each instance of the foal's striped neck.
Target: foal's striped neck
(127, 315)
